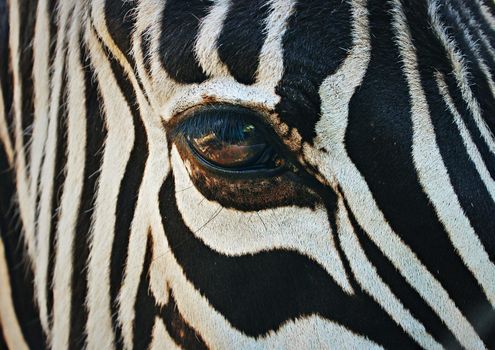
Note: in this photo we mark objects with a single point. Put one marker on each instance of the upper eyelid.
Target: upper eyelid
(249, 114)
(217, 90)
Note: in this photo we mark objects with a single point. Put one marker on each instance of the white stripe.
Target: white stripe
(41, 90)
(158, 85)
(146, 214)
(483, 36)
(26, 202)
(4, 132)
(471, 148)
(118, 145)
(207, 40)
(475, 50)
(271, 60)
(336, 93)
(486, 13)
(161, 339)
(9, 324)
(48, 167)
(133, 269)
(41, 82)
(432, 172)
(69, 207)
(368, 278)
(461, 75)
(309, 332)
(100, 23)
(303, 230)
(220, 90)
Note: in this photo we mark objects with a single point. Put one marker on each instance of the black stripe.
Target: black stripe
(145, 306)
(473, 194)
(312, 50)
(51, 58)
(379, 142)
(242, 37)
(3, 343)
(490, 5)
(478, 82)
(6, 77)
(58, 185)
(95, 137)
(463, 109)
(469, 188)
(53, 17)
(461, 104)
(128, 192)
(259, 292)
(177, 327)
(470, 11)
(146, 50)
(408, 296)
(180, 25)
(476, 32)
(147, 310)
(59, 180)
(20, 273)
(27, 18)
(120, 20)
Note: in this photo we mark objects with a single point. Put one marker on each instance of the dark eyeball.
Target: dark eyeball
(227, 138)
(244, 150)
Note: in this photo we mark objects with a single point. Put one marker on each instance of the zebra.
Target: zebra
(234, 174)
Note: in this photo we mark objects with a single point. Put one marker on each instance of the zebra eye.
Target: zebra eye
(228, 139)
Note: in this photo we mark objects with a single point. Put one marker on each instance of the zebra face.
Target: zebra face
(297, 163)
(254, 174)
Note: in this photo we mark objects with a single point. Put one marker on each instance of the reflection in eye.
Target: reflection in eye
(231, 153)
(226, 137)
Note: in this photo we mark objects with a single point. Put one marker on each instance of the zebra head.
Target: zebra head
(255, 174)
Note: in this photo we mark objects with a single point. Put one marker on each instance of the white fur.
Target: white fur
(367, 276)
(311, 332)
(486, 13)
(9, 324)
(47, 176)
(482, 35)
(146, 219)
(161, 338)
(158, 85)
(271, 62)
(99, 21)
(433, 174)
(225, 90)
(41, 91)
(336, 92)
(71, 197)
(471, 148)
(206, 42)
(235, 233)
(474, 47)
(41, 81)
(4, 133)
(118, 145)
(461, 74)
(24, 197)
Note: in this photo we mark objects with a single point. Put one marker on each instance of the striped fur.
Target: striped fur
(380, 235)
